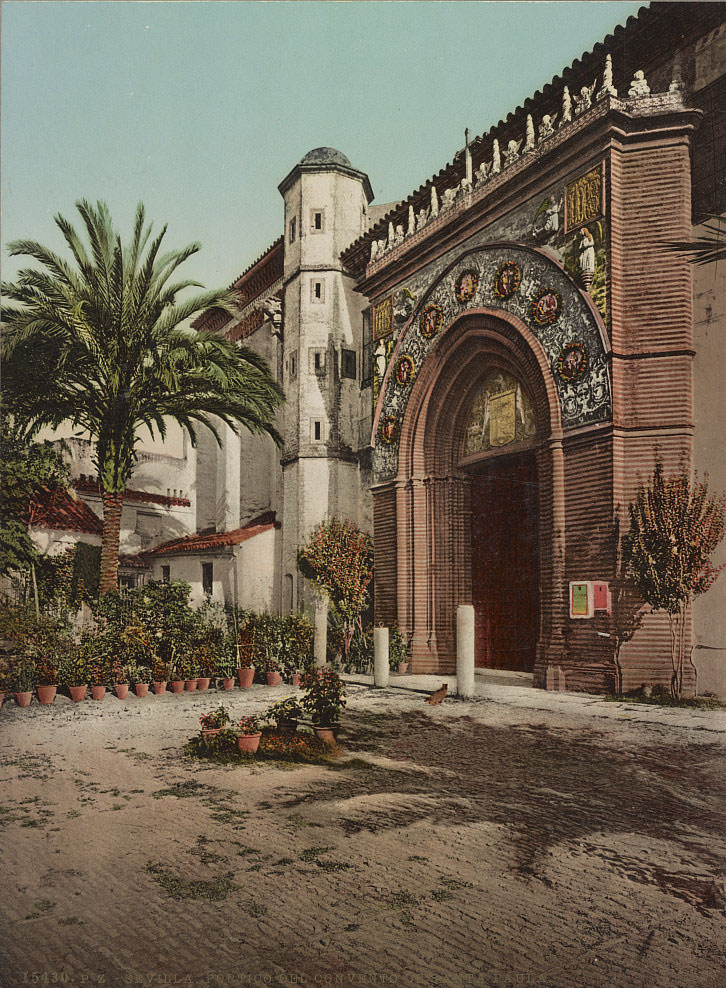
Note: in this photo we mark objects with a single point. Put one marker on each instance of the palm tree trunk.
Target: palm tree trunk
(112, 505)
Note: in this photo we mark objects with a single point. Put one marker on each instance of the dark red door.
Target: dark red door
(505, 563)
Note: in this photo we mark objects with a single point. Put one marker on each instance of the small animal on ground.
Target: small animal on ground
(438, 696)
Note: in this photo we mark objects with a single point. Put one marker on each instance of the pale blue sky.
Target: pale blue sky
(199, 109)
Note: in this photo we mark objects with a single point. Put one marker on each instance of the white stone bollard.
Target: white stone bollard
(321, 631)
(381, 667)
(465, 650)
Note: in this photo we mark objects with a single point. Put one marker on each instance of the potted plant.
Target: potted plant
(249, 732)
(273, 676)
(139, 677)
(98, 675)
(324, 699)
(397, 652)
(245, 668)
(73, 672)
(226, 667)
(212, 723)
(204, 662)
(176, 673)
(189, 671)
(160, 672)
(23, 680)
(285, 714)
(46, 676)
(119, 679)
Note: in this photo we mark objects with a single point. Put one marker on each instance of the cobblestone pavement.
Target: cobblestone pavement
(472, 844)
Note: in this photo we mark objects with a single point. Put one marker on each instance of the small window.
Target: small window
(318, 431)
(293, 229)
(317, 220)
(207, 578)
(293, 366)
(347, 364)
(166, 573)
(317, 361)
(317, 290)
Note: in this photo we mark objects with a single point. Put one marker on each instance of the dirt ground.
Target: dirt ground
(473, 844)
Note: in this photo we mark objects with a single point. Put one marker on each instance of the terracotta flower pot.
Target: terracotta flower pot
(121, 690)
(46, 694)
(326, 734)
(273, 678)
(228, 683)
(159, 688)
(23, 698)
(98, 692)
(246, 677)
(211, 732)
(141, 689)
(203, 683)
(77, 693)
(402, 668)
(190, 684)
(295, 679)
(249, 742)
(177, 685)
(287, 725)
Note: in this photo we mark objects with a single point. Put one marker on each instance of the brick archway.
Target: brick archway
(431, 494)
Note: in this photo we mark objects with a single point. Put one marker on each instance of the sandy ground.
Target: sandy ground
(485, 843)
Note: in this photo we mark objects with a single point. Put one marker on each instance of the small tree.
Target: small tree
(675, 526)
(338, 558)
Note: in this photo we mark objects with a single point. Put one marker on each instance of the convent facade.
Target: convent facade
(483, 374)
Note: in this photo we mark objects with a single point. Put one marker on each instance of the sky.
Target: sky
(199, 109)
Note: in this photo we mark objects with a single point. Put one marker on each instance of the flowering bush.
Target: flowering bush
(324, 697)
(338, 557)
(249, 725)
(217, 718)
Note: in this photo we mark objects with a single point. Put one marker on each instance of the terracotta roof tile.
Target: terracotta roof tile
(61, 510)
(215, 540)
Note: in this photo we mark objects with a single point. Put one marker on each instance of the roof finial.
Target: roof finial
(496, 158)
(566, 107)
(529, 135)
(607, 88)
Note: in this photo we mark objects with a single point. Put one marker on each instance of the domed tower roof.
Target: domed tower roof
(325, 156)
(326, 160)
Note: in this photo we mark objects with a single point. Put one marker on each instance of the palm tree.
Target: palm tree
(99, 342)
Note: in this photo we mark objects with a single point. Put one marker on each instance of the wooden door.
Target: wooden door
(505, 563)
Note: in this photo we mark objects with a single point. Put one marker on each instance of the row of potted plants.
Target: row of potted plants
(150, 636)
(120, 679)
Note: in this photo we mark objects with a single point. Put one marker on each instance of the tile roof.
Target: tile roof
(61, 510)
(215, 540)
(90, 485)
(132, 562)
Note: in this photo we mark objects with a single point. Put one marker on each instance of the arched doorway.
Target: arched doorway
(500, 457)
(475, 519)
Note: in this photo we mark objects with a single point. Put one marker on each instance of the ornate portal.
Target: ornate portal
(502, 414)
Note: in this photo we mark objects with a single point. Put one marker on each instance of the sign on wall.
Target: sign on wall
(584, 199)
(383, 319)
